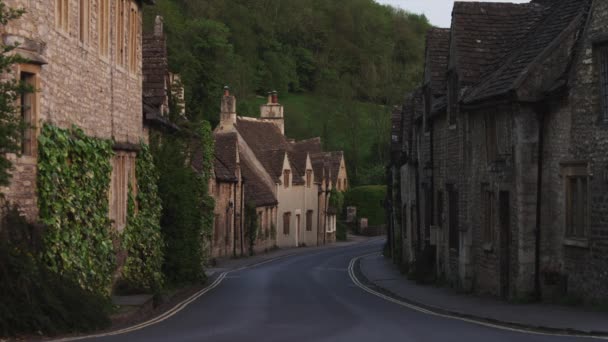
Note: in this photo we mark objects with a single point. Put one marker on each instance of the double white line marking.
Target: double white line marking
(356, 281)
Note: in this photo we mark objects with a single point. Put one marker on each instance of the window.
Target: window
(453, 219)
(286, 174)
(452, 98)
(489, 217)
(28, 102)
(577, 206)
(308, 178)
(286, 221)
(309, 220)
(103, 27)
(133, 35)
(83, 21)
(491, 148)
(123, 178)
(576, 187)
(603, 68)
(428, 209)
(120, 7)
(61, 14)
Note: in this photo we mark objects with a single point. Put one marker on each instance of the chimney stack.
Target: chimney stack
(228, 109)
(273, 111)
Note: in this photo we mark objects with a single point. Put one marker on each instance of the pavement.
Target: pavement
(307, 296)
(383, 275)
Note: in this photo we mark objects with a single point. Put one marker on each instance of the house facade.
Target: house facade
(84, 60)
(289, 182)
(512, 139)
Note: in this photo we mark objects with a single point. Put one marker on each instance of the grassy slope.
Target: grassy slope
(355, 134)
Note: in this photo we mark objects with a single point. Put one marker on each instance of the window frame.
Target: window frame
(103, 26)
(84, 20)
(120, 32)
(30, 147)
(308, 178)
(491, 138)
(122, 179)
(286, 223)
(577, 170)
(286, 178)
(62, 15)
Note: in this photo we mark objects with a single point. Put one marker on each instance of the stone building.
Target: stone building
(85, 63)
(514, 103)
(289, 182)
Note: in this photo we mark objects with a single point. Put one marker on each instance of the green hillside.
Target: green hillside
(359, 129)
(338, 65)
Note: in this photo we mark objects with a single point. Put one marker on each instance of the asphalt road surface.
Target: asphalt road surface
(309, 297)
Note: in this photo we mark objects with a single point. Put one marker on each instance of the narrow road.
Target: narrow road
(309, 297)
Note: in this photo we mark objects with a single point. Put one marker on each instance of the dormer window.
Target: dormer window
(286, 174)
(308, 178)
(452, 98)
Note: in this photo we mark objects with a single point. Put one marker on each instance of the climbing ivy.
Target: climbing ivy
(207, 202)
(252, 226)
(142, 238)
(336, 201)
(73, 182)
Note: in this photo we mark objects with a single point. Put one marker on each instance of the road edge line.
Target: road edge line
(355, 262)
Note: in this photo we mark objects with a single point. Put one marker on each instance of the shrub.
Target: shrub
(368, 201)
(36, 300)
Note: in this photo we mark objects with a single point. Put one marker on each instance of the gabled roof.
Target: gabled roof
(558, 17)
(301, 149)
(225, 157)
(437, 55)
(256, 191)
(483, 33)
(326, 164)
(267, 143)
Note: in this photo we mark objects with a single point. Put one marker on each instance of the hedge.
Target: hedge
(368, 200)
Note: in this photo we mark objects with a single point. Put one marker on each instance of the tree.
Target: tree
(11, 89)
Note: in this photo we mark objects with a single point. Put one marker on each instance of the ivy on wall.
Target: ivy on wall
(73, 182)
(142, 238)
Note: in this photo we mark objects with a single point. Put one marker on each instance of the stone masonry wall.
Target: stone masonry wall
(78, 86)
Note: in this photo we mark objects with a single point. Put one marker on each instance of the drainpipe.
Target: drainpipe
(418, 232)
(242, 214)
(541, 109)
(234, 222)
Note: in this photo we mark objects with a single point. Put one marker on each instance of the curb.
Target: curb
(359, 278)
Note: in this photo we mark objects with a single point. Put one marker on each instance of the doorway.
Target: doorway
(505, 243)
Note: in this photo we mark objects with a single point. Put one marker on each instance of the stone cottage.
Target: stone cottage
(85, 63)
(289, 182)
(513, 106)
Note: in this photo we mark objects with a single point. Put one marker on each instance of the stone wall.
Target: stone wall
(78, 86)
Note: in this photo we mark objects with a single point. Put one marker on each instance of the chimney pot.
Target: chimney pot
(275, 97)
(269, 97)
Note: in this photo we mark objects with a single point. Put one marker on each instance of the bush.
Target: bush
(368, 201)
(36, 300)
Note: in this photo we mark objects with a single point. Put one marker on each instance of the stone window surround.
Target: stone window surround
(34, 70)
(575, 168)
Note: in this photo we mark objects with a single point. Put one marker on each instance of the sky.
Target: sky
(439, 12)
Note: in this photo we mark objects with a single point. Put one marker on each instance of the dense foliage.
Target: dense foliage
(187, 208)
(74, 173)
(368, 200)
(38, 300)
(142, 238)
(10, 89)
(252, 226)
(334, 55)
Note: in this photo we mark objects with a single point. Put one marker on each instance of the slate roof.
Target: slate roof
(225, 156)
(484, 33)
(558, 16)
(256, 191)
(267, 142)
(437, 51)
